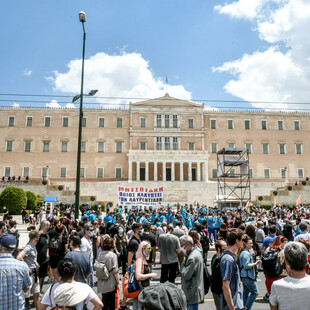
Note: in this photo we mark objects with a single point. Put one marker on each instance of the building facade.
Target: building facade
(159, 141)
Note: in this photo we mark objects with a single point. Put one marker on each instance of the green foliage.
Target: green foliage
(31, 200)
(14, 198)
(40, 199)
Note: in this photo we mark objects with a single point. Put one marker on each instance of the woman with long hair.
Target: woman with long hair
(142, 269)
(247, 272)
(277, 245)
(197, 245)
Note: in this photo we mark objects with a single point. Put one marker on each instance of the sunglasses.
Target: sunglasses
(149, 248)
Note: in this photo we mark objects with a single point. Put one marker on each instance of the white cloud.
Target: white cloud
(241, 9)
(27, 72)
(70, 106)
(15, 105)
(53, 104)
(127, 75)
(275, 74)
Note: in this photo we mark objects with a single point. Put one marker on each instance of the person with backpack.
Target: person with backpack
(13, 231)
(247, 273)
(204, 241)
(232, 293)
(216, 278)
(273, 263)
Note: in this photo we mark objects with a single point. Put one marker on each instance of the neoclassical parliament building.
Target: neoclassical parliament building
(159, 142)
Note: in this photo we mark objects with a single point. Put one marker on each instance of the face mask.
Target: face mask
(183, 250)
(91, 234)
(146, 254)
(120, 231)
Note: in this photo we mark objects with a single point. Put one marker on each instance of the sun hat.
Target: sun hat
(70, 294)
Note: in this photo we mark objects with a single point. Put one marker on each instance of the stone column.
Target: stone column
(155, 171)
(130, 171)
(190, 171)
(146, 171)
(172, 171)
(198, 172)
(138, 171)
(164, 171)
(181, 171)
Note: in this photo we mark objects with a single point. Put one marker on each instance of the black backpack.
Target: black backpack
(206, 279)
(55, 246)
(271, 264)
(216, 277)
(204, 240)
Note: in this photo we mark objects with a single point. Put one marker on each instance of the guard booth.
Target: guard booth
(233, 178)
(50, 201)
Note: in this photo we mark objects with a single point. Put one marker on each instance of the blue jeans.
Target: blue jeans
(250, 292)
(212, 232)
(192, 307)
(91, 279)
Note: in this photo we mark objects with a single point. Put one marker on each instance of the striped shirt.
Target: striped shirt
(14, 276)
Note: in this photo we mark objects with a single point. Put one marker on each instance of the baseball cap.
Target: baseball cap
(8, 241)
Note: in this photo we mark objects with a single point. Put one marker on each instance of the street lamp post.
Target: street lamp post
(82, 18)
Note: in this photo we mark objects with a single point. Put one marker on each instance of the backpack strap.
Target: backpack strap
(235, 263)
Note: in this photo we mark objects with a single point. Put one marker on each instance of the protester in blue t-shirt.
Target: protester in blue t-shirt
(211, 227)
(270, 238)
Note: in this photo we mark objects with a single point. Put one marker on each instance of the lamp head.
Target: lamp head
(82, 17)
(93, 92)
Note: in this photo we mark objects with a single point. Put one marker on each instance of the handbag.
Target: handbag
(102, 271)
(131, 286)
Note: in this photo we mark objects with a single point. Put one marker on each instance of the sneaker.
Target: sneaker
(266, 298)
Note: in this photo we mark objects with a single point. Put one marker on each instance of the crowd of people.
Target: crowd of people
(69, 253)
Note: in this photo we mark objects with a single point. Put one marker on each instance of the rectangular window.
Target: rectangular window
(251, 173)
(142, 146)
(46, 146)
(248, 146)
(9, 146)
(27, 146)
(175, 144)
(65, 121)
(167, 143)
(213, 148)
(29, 121)
(7, 172)
(283, 173)
(47, 121)
(265, 148)
(158, 121)
(300, 173)
(281, 148)
(232, 173)
(214, 173)
(63, 172)
(142, 122)
(297, 125)
(191, 123)
(101, 122)
(119, 147)
(298, 147)
(175, 121)
(84, 121)
(213, 123)
(44, 172)
(191, 146)
(264, 125)
(64, 146)
(167, 121)
(247, 124)
(119, 122)
(230, 124)
(82, 173)
(231, 145)
(100, 173)
(158, 144)
(26, 172)
(280, 125)
(83, 146)
(267, 173)
(100, 147)
(11, 121)
(118, 173)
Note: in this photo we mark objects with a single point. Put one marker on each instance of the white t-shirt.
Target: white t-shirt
(291, 294)
(86, 246)
(48, 299)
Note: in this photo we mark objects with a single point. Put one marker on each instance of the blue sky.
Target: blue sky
(251, 50)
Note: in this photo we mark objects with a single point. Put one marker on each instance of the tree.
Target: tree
(14, 198)
(40, 199)
(31, 200)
